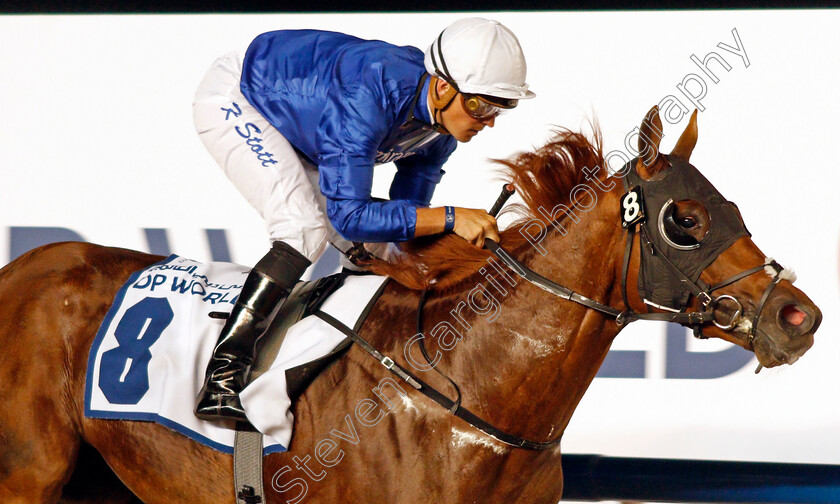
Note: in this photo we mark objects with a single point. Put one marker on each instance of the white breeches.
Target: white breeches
(279, 184)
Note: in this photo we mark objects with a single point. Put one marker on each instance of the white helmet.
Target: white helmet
(480, 56)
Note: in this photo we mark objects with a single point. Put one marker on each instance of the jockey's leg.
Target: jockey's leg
(266, 287)
(264, 167)
(268, 172)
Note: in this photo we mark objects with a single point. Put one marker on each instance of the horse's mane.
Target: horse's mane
(542, 178)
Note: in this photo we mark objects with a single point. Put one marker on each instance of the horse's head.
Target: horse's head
(697, 255)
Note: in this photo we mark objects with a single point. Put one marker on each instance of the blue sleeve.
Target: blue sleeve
(356, 119)
(418, 175)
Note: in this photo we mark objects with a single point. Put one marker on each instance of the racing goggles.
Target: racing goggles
(484, 108)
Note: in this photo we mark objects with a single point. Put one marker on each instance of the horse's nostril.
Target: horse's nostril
(792, 315)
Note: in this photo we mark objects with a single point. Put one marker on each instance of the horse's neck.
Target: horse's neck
(527, 369)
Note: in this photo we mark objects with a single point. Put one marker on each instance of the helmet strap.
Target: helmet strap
(440, 102)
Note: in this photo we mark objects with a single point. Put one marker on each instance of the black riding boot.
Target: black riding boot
(265, 289)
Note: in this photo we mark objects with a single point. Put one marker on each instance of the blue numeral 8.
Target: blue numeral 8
(124, 371)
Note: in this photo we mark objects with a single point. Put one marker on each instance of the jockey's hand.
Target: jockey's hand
(475, 225)
(472, 224)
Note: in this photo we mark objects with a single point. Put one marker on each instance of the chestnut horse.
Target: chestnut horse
(521, 357)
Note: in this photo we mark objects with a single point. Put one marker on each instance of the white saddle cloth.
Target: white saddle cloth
(149, 356)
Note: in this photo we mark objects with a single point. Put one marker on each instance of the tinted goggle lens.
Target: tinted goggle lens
(481, 109)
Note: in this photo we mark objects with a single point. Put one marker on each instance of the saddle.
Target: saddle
(305, 299)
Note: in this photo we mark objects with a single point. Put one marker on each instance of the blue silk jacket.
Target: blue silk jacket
(342, 102)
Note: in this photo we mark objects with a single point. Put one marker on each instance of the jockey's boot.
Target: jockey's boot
(264, 290)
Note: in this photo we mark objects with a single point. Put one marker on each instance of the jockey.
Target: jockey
(298, 126)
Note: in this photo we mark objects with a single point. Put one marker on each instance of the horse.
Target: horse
(521, 357)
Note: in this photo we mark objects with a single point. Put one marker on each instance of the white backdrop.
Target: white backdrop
(97, 137)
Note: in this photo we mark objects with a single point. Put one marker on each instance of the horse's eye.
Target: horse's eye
(686, 222)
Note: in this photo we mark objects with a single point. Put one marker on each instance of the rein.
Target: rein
(696, 319)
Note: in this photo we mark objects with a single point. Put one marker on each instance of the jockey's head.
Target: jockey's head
(480, 62)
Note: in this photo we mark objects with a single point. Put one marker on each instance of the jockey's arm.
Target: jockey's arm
(358, 218)
(416, 179)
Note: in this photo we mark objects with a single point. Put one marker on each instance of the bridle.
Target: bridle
(648, 247)
(674, 260)
(651, 238)
(696, 320)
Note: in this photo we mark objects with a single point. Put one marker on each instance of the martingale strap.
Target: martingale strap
(456, 404)
(436, 395)
(367, 347)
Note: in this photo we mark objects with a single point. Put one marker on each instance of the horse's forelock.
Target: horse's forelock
(543, 178)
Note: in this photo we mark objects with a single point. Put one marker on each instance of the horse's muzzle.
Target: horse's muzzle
(786, 328)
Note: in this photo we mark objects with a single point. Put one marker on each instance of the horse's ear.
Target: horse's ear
(650, 134)
(688, 139)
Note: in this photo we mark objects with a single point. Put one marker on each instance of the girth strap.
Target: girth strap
(247, 464)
